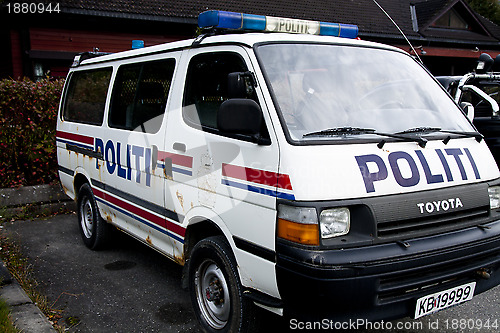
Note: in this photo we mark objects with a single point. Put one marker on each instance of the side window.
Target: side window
(206, 87)
(481, 107)
(86, 96)
(140, 95)
(467, 96)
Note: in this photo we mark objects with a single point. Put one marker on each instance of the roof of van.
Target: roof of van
(246, 39)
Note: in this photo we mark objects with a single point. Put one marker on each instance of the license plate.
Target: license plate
(444, 299)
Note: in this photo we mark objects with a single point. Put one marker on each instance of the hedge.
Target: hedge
(27, 131)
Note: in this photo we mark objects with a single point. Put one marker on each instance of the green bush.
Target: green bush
(28, 112)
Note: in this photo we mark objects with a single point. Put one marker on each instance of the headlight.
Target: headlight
(298, 224)
(334, 222)
(494, 193)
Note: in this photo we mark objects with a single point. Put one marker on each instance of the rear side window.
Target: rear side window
(86, 96)
(140, 95)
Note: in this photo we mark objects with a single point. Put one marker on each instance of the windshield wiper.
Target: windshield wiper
(341, 131)
(422, 130)
(476, 135)
(407, 135)
(344, 131)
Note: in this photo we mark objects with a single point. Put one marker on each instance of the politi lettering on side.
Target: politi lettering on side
(374, 169)
(137, 159)
(440, 205)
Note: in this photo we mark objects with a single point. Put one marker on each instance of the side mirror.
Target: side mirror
(468, 109)
(239, 116)
(484, 63)
(496, 64)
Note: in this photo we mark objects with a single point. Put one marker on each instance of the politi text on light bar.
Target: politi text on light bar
(241, 21)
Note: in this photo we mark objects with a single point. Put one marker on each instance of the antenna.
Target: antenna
(401, 31)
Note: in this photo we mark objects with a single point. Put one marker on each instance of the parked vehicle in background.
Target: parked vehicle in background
(481, 90)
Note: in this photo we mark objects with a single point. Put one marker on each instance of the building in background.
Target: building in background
(43, 37)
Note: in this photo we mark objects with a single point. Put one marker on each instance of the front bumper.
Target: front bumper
(384, 281)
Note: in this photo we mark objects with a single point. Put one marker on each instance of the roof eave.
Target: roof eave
(131, 16)
(423, 39)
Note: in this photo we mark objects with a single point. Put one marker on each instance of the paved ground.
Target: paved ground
(131, 288)
(127, 288)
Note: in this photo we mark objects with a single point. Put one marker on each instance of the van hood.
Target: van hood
(333, 172)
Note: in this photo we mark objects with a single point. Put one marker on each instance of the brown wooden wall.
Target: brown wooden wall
(17, 62)
(55, 48)
(45, 39)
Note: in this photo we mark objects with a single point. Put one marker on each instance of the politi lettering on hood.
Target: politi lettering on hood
(447, 157)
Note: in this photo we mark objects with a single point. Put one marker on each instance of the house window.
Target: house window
(451, 20)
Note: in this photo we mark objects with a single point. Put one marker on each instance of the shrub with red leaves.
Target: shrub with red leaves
(28, 112)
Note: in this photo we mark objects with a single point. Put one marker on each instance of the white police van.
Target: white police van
(313, 176)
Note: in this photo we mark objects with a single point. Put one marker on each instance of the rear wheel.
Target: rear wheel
(93, 228)
(216, 292)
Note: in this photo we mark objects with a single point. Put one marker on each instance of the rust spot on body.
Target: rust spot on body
(148, 240)
(65, 189)
(179, 259)
(108, 217)
(181, 199)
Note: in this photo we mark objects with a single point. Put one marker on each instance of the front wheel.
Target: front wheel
(216, 292)
(93, 228)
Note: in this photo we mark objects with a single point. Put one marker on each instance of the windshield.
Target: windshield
(319, 87)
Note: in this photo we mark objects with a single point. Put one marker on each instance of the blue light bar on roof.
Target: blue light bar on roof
(239, 21)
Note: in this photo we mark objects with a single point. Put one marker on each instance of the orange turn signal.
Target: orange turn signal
(307, 234)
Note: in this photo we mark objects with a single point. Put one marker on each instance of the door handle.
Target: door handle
(179, 146)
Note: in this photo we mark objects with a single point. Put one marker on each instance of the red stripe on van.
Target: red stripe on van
(75, 137)
(284, 182)
(160, 221)
(257, 176)
(182, 160)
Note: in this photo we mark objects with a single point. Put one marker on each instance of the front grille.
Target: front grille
(423, 226)
(429, 279)
(421, 214)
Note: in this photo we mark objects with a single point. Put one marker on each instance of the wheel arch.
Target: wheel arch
(199, 228)
(78, 181)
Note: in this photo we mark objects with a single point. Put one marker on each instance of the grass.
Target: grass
(22, 271)
(6, 325)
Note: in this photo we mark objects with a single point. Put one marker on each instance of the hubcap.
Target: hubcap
(212, 294)
(87, 217)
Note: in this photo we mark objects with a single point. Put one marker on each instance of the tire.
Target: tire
(93, 228)
(216, 291)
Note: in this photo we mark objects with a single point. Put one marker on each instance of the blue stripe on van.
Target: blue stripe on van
(259, 190)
